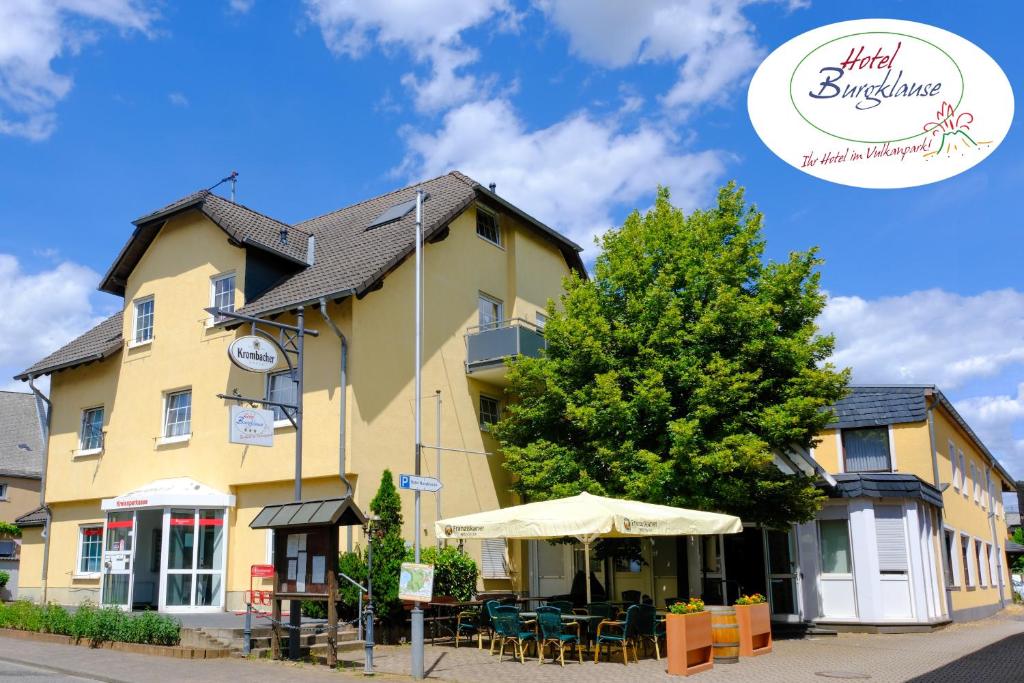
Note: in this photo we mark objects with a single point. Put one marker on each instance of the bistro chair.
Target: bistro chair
(622, 632)
(489, 607)
(510, 628)
(564, 606)
(552, 631)
(649, 628)
(599, 609)
(470, 623)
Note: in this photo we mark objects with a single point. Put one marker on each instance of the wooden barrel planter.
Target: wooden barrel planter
(725, 634)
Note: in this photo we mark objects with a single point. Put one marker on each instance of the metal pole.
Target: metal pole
(247, 631)
(368, 612)
(416, 667)
(295, 610)
(437, 439)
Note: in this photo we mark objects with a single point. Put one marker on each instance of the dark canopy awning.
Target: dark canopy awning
(329, 511)
(884, 485)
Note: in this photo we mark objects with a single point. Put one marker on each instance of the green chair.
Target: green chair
(623, 632)
(489, 608)
(552, 631)
(563, 605)
(599, 609)
(510, 628)
(470, 622)
(649, 628)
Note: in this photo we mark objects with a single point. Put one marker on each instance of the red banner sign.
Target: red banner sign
(262, 571)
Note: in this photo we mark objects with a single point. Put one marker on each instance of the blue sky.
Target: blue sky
(577, 110)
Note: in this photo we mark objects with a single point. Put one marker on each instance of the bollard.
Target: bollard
(247, 632)
(368, 645)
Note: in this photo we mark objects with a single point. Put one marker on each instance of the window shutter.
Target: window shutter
(494, 559)
(891, 538)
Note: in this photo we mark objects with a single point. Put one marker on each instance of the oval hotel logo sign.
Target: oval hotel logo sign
(253, 353)
(880, 103)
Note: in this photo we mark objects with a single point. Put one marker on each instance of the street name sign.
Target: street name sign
(413, 482)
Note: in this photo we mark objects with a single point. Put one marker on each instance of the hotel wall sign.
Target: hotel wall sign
(253, 353)
(880, 103)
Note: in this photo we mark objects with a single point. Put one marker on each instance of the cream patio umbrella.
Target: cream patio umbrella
(587, 517)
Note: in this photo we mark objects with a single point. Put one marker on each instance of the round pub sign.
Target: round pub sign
(254, 354)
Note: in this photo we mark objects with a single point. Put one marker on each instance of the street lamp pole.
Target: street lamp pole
(417, 611)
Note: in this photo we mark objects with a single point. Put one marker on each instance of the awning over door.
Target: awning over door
(178, 491)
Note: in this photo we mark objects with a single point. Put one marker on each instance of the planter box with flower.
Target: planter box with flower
(755, 625)
(688, 638)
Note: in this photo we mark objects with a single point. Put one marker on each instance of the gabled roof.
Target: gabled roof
(21, 449)
(350, 258)
(36, 517)
(98, 343)
(878, 405)
(329, 511)
(243, 226)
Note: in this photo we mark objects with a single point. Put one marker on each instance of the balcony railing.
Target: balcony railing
(488, 345)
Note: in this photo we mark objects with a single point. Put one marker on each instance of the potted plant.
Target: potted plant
(688, 638)
(755, 625)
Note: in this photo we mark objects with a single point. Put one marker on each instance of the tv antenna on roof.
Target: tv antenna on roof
(234, 181)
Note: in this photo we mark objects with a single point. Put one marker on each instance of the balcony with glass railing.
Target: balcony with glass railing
(487, 347)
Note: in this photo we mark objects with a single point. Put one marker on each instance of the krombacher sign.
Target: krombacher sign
(253, 353)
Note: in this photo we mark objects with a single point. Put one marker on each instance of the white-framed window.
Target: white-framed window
(953, 566)
(91, 437)
(834, 546)
(966, 483)
(866, 449)
(178, 414)
(993, 564)
(3, 491)
(983, 571)
(969, 570)
(977, 484)
(494, 559)
(8, 549)
(542, 320)
(491, 311)
(281, 387)
(986, 494)
(142, 331)
(90, 549)
(222, 293)
(269, 557)
(957, 472)
(487, 226)
(891, 539)
(490, 411)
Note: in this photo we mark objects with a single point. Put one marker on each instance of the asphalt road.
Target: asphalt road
(19, 672)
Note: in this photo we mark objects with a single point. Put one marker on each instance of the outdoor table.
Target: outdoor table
(588, 623)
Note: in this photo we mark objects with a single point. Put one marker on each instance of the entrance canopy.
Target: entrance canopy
(174, 492)
(587, 518)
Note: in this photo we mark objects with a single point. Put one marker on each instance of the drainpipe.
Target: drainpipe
(946, 569)
(343, 388)
(43, 409)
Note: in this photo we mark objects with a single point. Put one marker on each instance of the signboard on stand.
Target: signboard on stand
(251, 426)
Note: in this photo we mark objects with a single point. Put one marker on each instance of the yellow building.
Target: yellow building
(148, 502)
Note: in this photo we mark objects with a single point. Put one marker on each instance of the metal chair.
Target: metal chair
(649, 628)
(509, 627)
(563, 605)
(489, 608)
(552, 631)
(624, 633)
(470, 622)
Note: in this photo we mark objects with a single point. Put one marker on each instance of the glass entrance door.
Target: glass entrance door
(195, 551)
(118, 557)
(782, 573)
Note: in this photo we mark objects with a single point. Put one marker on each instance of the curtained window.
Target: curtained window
(866, 449)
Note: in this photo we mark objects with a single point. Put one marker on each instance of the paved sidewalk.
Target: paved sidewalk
(991, 650)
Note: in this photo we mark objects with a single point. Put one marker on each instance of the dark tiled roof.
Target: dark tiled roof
(96, 344)
(885, 485)
(331, 511)
(21, 451)
(35, 518)
(242, 224)
(869, 406)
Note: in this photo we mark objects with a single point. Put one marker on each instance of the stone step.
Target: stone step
(317, 653)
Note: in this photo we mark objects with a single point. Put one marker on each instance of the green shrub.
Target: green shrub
(455, 572)
(8, 530)
(4, 578)
(82, 621)
(352, 564)
(107, 624)
(23, 615)
(388, 549)
(55, 619)
(314, 609)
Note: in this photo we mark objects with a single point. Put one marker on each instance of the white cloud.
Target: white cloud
(33, 33)
(929, 337)
(712, 40)
(999, 421)
(39, 312)
(571, 174)
(431, 32)
(178, 99)
(241, 6)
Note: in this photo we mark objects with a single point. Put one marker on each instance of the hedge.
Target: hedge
(89, 622)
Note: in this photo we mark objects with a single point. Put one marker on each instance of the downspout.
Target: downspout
(944, 553)
(343, 388)
(43, 409)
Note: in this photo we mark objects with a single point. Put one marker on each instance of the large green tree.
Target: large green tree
(674, 372)
(388, 547)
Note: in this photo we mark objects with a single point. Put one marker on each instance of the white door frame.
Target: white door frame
(105, 571)
(194, 571)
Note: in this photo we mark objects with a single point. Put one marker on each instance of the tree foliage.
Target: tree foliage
(388, 546)
(672, 375)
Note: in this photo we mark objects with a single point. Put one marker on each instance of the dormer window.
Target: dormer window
(222, 293)
(143, 331)
(487, 226)
(866, 450)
